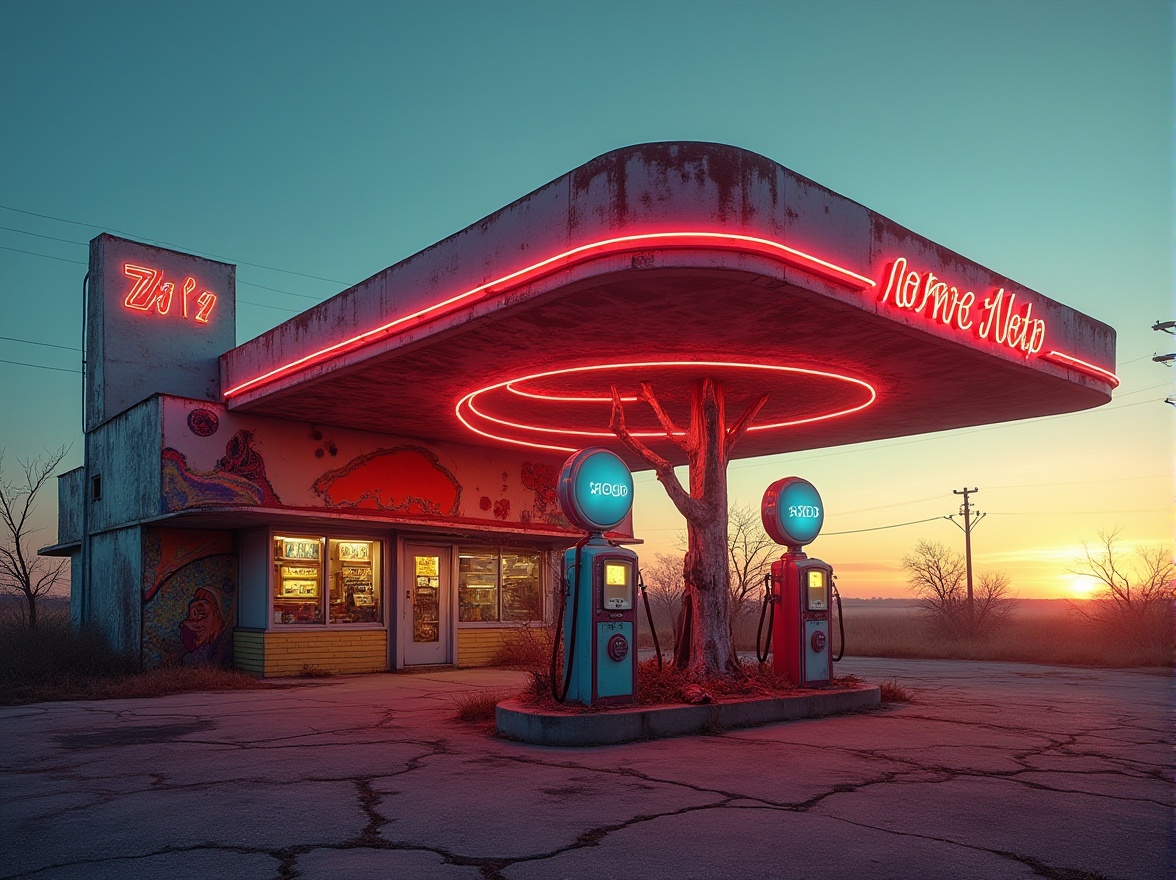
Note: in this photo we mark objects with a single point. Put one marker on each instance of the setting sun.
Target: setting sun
(1080, 586)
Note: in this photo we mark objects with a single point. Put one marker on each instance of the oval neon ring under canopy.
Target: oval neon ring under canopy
(573, 405)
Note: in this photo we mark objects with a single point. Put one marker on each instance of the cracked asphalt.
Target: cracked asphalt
(997, 770)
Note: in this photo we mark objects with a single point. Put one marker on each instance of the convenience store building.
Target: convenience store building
(372, 484)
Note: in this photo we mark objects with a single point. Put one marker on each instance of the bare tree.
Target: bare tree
(936, 575)
(708, 440)
(22, 572)
(1134, 598)
(993, 603)
(664, 584)
(751, 552)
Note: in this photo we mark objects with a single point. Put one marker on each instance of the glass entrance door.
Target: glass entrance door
(427, 609)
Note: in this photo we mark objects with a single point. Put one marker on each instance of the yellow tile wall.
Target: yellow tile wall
(289, 653)
(477, 647)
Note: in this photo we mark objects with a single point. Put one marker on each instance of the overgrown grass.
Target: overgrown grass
(54, 662)
(893, 692)
(478, 707)
(1056, 637)
(1037, 632)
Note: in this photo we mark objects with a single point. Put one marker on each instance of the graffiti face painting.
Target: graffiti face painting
(202, 629)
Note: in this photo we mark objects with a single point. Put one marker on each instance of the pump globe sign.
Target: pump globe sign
(595, 489)
(792, 512)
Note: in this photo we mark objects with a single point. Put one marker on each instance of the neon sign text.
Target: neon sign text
(150, 293)
(997, 318)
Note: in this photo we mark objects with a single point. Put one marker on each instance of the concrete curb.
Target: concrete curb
(610, 727)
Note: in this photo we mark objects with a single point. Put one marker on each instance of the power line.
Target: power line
(46, 256)
(1081, 512)
(880, 528)
(39, 235)
(39, 366)
(317, 299)
(45, 344)
(169, 244)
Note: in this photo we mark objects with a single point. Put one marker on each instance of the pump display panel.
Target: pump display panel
(617, 593)
(816, 590)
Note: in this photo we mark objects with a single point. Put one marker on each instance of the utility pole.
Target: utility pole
(969, 524)
(1167, 360)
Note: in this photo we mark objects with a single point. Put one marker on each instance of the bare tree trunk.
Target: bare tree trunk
(707, 649)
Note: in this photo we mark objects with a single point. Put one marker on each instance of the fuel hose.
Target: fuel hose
(649, 617)
(556, 693)
(769, 610)
(840, 625)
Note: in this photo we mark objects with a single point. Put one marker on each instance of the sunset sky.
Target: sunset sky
(315, 145)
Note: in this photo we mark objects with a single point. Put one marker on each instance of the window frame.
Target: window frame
(498, 551)
(325, 539)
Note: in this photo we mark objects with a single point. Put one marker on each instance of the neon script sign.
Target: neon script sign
(150, 293)
(996, 318)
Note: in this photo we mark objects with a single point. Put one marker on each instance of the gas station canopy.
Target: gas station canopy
(666, 264)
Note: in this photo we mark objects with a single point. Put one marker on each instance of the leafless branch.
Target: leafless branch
(687, 506)
(673, 432)
(741, 425)
(22, 572)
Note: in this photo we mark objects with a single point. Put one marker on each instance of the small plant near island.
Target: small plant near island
(478, 707)
(892, 692)
(670, 685)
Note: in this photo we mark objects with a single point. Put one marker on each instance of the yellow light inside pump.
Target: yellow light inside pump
(818, 599)
(617, 594)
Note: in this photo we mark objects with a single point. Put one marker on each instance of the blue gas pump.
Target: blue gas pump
(598, 617)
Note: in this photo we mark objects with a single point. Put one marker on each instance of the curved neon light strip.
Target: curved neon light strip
(727, 240)
(1068, 360)
(578, 399)
(468, 400)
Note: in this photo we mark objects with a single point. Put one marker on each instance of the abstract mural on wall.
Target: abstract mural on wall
(189, 597)
(405, 479)
(238, 478)
(269, 462)
(541, 479)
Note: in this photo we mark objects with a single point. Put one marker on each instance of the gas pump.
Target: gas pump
(598, 617)
(802, 587)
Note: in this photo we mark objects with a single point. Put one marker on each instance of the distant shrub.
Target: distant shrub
(56, 662)
(54, 650)
(1056, 635)
(526, 647)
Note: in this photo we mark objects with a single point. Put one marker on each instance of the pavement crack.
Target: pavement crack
(369, 800)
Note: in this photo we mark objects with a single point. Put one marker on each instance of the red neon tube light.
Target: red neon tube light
(686, 239)
(1068, 360)
(467, 411)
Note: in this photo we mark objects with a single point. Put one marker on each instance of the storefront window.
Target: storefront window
(355, 590)
(496, 586)
(319, 580)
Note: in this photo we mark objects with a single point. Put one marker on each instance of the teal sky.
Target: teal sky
(333, 140)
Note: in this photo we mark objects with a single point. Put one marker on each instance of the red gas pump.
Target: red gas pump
(802, 588)
(801, 647)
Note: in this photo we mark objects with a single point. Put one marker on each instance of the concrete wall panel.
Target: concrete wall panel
(124, 453)
(115, 603)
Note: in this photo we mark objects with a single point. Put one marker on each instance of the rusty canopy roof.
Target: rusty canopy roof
(666, 263)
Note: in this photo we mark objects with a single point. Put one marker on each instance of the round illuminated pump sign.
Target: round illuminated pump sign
(792, 512)
(595, 489)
